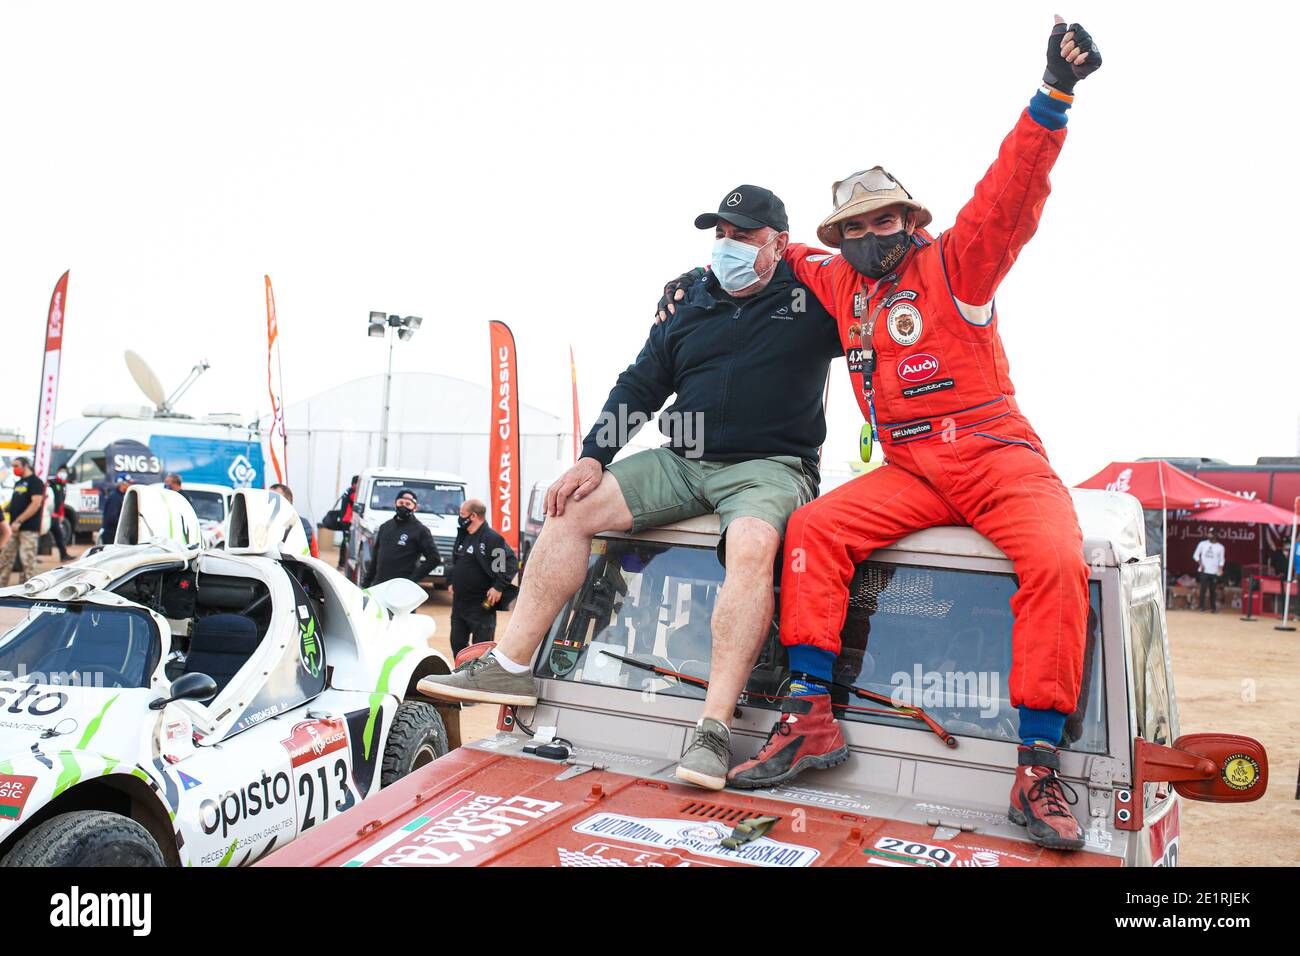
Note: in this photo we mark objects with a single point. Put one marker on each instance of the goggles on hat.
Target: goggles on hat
(872, 180)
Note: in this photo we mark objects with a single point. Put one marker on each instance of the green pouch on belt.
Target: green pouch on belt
(866, 441)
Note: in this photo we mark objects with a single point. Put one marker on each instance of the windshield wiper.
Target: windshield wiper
(897, 710)
(655, 668)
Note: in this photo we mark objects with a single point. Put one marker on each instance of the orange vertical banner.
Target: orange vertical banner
(577, 419)
(43, 443)
(503, 436)
(278, 442)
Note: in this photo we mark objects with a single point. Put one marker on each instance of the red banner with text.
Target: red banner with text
(43, 444)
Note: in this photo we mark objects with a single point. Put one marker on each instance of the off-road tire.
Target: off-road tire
(418, 736)
(86, 838)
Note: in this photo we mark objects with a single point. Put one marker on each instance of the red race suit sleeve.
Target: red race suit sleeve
(1000, 218)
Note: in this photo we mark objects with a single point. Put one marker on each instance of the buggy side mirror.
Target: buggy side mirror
(198, 687)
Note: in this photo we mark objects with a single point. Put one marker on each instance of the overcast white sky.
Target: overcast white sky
(541, 164)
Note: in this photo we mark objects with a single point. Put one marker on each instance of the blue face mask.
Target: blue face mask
(733, 263)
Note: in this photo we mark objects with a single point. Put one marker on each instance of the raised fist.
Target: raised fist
(1072, 54)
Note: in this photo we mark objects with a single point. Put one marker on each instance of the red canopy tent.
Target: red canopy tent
(1244, 512)
(1159, 485)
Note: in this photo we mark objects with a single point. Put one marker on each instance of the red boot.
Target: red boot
(1039, 801)
(806, 737)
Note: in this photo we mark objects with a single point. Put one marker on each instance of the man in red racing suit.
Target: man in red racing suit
(918, 324)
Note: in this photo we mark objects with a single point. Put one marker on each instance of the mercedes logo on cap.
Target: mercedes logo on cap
(734, 199)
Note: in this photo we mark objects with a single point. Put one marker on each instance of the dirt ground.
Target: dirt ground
(1242, 677)
(1230, 676)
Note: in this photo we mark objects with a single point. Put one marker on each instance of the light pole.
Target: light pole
(384, 325)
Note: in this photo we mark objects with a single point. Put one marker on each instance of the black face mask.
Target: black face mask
(403, 514)
(463, 522)
(875, 256)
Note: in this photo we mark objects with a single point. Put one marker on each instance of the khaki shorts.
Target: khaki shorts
(661, 487)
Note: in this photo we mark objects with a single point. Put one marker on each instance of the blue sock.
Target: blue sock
(813, 662)
(1041, 726)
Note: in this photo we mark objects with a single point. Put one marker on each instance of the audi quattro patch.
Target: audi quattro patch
(918, 367)
(938, 385)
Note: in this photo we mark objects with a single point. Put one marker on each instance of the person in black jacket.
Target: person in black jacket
(58, 485)
(400, 543)
(747, 352)
(482, 574)
(113, 509)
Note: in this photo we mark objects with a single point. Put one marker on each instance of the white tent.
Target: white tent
(437, 423)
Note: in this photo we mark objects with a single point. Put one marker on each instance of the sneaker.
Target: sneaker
(1039, 801)
(707, 759)
(807, 737)
(482, 680)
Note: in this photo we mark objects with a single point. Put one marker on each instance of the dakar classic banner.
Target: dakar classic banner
(503, 435)
(49, 399)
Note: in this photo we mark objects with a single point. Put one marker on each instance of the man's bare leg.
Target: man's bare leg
(741, 618)
(558, 563)
(742, 614)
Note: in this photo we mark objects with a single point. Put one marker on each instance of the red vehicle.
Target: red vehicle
(585, 777)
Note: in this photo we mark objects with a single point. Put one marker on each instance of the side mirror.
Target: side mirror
(358, 508)
(198, 687)
(1215, 768)
(1239, 771)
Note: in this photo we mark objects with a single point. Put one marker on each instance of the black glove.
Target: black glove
(675, 291)
(1062, 75)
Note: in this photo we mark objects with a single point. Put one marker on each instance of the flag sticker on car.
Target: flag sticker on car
(701, 837)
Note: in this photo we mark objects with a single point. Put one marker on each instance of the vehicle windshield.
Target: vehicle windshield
(84, 645)
(60, 457)
(208, 505)
(435, 497)
(934, 638)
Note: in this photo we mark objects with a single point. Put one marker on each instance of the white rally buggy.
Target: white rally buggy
(162, 703)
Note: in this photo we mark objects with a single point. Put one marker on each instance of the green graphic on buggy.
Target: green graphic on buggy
(311, 659)
(92, 728)
(377, 698)
(225, 860)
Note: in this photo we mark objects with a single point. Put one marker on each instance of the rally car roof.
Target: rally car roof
(1112, 525)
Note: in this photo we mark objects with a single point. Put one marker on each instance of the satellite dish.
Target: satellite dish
(144, 377)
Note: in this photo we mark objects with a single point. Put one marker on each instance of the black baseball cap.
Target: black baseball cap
(749, 207)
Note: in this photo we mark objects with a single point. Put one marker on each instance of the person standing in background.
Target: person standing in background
(58, 485)
(286, 492)
(346, 501)
(482, 571)
(25, 523)
(172, 482)
(113, 509)
(1209, 560)
(400, 544)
